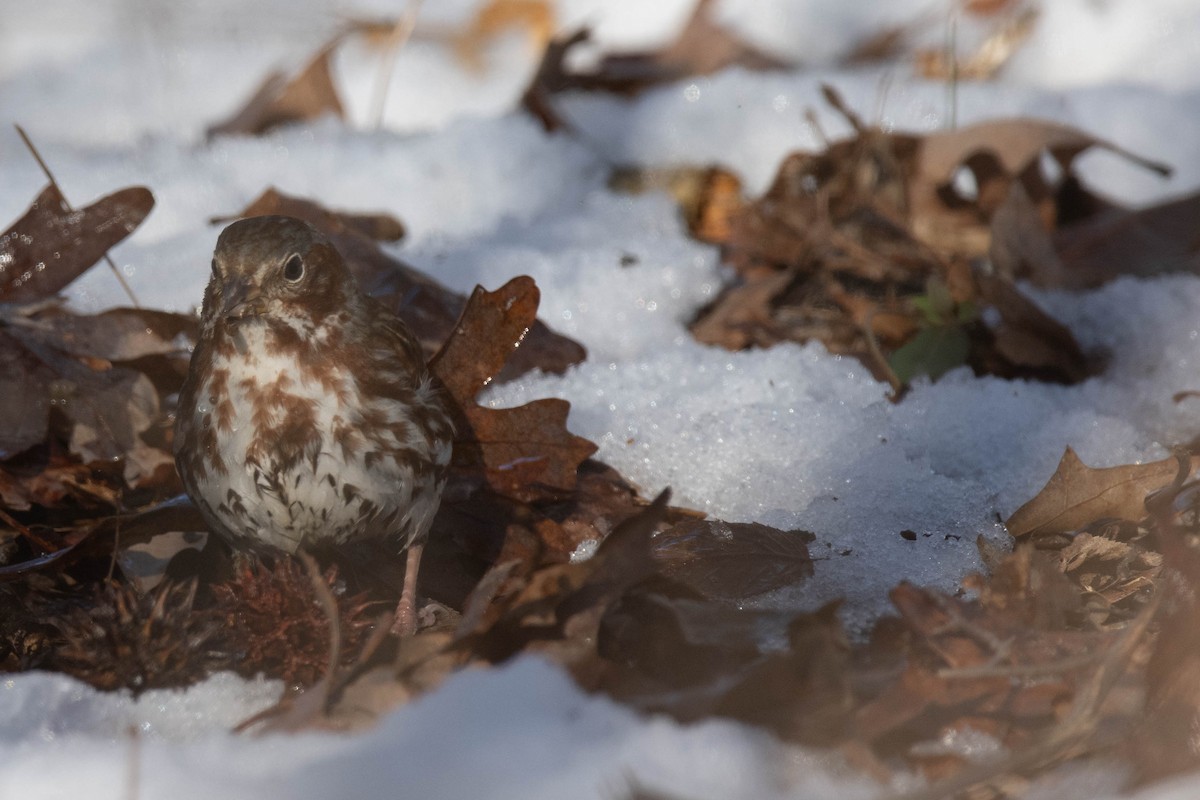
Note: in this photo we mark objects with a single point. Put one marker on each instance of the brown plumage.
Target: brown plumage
(308, 414)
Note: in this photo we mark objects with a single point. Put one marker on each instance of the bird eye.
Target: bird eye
(293, 269)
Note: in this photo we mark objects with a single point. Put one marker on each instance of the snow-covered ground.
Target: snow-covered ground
(120, 92)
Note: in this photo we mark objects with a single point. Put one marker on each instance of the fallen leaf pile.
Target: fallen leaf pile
(895, 248)
(1062, 650)
(1072, 645)
(900, 249)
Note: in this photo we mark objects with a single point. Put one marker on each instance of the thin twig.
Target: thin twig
(27, 533)
(990, 670)
(810, 116)
(379, 634)
(133, 773)
(877, 354)
(400, 34)
(116, 550)
(881, 93)
(50, 177)
(952, 67)
(329, 606)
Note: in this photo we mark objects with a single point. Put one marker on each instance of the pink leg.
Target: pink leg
(405, 623)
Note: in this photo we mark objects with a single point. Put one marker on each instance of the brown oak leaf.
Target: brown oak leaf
(51, 245)
(1078, 494)
(527, 452)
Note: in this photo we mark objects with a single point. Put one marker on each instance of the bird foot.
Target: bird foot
(404, 622)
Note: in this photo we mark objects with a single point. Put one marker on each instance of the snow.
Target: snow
(120, 93)
(521, 731)
(50, 708)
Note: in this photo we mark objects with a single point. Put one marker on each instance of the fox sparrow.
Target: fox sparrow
(308, 414)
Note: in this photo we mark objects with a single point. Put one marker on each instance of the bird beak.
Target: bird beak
(242, 301)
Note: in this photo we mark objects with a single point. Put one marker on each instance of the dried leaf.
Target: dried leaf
(563, 604)
(1165, 742)
(1077, 495)
(625, 557)
(551, 77)
(803, 694)
(1021, 245)
(969, 661)
(526, 453)
(885, 45)
(149, 467)
(733, 560)
(997, 154)
(422, 662)
(280, 100)
(1151, 241)
(475, 529)
(1028, 587)
(121, 334)
(703, 47)
(1009, 146)
(1085, 547)
(109, 411)
(680, 641)
(491, 328)
(825, 253)
(743, 316)
(98, 537)
(990, 7)
(59, 361)
(24, 398)
(481, 598)
(1028, 338)
(50, 246)
(523, 452)
(55, 482)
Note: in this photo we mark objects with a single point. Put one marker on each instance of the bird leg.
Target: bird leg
(405, 623)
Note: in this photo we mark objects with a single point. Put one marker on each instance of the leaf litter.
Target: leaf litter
(903, 249)
(1077, 643)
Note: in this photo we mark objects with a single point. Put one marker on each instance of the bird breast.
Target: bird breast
(307, 456)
